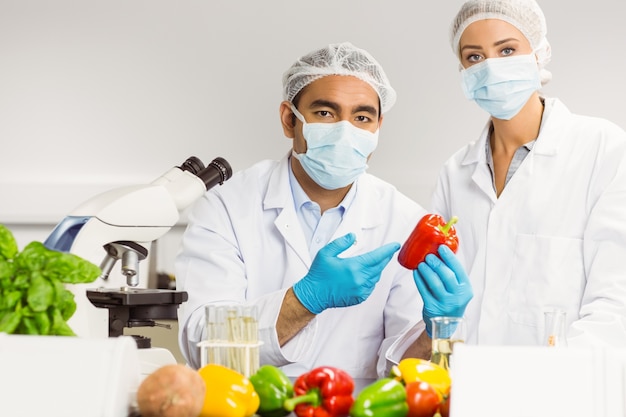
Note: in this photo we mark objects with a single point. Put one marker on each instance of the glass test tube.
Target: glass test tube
(232, 338)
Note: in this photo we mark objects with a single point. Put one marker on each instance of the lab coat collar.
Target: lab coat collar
(476, 149)
(361, 215)
(275, 196)
(278, 197)
(365, 199)
(551, 135)
(548, 141)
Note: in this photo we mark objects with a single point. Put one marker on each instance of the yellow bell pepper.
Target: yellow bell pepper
(415, 369)
(228, 393)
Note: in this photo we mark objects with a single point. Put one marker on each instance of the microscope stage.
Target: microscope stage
(105, 297)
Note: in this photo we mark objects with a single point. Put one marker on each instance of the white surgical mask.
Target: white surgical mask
(336, 152)
(502, 86)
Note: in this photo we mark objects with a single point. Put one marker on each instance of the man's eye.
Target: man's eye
(363, 119)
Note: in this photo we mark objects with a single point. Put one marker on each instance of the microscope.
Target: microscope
(120, 225)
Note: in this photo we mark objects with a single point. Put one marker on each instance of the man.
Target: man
(309, 240)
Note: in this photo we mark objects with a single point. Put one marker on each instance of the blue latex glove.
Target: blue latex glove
(444, 286)
(341, 282)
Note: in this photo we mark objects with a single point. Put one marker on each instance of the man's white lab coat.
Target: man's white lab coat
(244, 244)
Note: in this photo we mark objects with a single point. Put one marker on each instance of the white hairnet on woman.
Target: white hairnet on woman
(525, 15)
(339, 59)
(540, 195)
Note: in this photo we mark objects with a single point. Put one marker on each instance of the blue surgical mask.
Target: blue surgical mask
(502, 86)
(336, 153)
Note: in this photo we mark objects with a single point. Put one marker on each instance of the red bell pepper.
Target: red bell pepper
(429, 233)
(323, 392)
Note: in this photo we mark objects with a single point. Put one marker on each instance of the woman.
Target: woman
(541, 194)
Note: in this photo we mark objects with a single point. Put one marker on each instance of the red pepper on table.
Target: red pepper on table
(423, 399)
(429, 233)
(323, 392)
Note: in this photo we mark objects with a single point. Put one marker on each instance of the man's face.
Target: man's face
(335, 98)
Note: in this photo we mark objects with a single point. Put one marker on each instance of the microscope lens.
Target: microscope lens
(218, 171)
(193, 165)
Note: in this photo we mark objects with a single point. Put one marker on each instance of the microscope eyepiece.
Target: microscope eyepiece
(216, 172)
(192, 164)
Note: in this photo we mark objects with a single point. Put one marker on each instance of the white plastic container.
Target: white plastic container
(61, 376)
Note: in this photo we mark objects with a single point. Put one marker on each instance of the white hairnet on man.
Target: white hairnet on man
(338, 59)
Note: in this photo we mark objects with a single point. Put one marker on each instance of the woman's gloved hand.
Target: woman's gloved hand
(341, 282)
(443, 285)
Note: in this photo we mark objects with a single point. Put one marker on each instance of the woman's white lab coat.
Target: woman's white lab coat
(244, 244)
(556, 236)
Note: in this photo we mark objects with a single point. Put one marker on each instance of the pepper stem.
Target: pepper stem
(312, 397)
(445, 229)
(395, 373)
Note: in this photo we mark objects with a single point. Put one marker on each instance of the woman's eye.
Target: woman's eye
(473, 58)
(507, 51)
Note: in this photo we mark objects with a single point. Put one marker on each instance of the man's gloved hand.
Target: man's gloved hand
(341, 282)
(444, 286)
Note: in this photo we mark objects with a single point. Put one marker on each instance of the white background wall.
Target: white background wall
(96, 94)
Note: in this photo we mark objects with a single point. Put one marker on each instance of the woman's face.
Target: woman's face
(491, 38)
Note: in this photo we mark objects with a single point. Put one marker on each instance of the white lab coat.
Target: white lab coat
(244, 244)
(556, 236)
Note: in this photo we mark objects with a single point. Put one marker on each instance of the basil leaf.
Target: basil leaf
(8, 244)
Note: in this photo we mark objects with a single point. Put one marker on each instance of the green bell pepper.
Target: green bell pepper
(384, 398)
(273, 387)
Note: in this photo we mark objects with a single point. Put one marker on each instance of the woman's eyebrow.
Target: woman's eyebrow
(478, 47)
(464, 47)
(505, 41)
